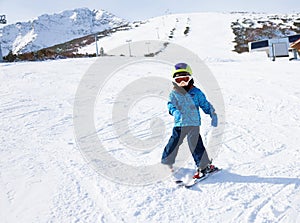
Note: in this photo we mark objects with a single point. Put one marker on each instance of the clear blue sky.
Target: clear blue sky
(24, 10)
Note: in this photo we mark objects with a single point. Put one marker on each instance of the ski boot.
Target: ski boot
(169, 166)
(201, 173)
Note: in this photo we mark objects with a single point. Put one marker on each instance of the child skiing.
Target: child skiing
(184, 102)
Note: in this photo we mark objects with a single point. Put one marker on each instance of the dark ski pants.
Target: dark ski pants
(195, 144)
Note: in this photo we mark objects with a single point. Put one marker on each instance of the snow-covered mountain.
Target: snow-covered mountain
(48, 30)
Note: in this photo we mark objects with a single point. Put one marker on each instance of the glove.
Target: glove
(177, 115)
(214, 119)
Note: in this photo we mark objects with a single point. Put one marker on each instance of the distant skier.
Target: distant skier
(184, 102)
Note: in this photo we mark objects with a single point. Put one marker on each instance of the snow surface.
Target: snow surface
(45, 178)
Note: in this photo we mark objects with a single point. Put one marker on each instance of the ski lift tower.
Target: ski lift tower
(2, 21)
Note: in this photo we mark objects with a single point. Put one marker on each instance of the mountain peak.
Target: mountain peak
(50, 29)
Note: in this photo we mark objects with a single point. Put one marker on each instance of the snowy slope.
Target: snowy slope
(48, 30)
(203, 31)
(206, 34)
(45, 178)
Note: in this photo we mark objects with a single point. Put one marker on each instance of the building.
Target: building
(296, 45)
(279, 47)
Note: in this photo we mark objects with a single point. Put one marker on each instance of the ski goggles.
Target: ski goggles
(180, 79)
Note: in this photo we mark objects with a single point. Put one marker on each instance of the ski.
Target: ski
(193, 182)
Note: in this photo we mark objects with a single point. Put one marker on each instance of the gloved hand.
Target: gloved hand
(177, 115)
(214, 119)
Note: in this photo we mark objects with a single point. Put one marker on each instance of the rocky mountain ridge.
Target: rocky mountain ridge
(48, 30)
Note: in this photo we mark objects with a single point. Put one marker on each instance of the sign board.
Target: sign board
(279, 47)
(261, 45)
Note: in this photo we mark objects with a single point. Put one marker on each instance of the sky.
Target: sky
(133, 10)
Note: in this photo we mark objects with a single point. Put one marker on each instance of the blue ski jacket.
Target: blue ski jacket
(188, 103)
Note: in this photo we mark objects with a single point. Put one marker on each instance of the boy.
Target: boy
(184, 103)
